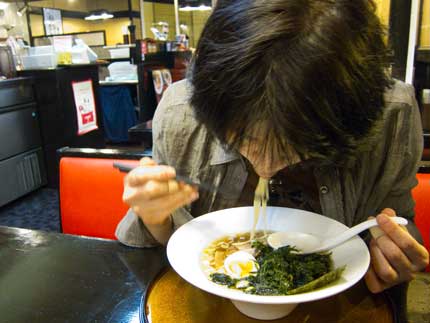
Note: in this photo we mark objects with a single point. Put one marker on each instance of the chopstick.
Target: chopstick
(205, 186)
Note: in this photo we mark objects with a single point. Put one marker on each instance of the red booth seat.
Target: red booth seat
(91, 196)
(421, 194)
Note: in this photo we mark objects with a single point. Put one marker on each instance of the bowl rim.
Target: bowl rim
(237, 295)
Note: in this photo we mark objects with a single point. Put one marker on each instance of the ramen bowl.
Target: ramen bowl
(186, 245)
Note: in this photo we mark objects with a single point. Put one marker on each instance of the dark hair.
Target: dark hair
(314, 70)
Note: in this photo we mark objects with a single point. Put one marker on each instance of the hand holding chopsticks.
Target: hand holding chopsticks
(180, 178)
(153, 193)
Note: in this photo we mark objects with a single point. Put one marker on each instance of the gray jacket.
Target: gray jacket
(381, 178)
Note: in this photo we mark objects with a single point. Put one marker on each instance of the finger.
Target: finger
(155, 211)
(381, 265)
(140, 175)
(374, 284)
(395, 256)
(411, 248)
(156, 189)
(146, 161)
(375, 232)
(179, 199)
(139, 197)
(389, 212)
(150, 190)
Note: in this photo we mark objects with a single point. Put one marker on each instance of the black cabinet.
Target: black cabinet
(57, 112)
(22, 168)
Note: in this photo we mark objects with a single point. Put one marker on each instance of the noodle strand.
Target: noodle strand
(260, 200)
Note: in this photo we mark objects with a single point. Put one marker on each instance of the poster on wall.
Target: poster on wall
(52, 21)
(85, 106)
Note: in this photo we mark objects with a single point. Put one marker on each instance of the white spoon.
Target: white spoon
(308, 243)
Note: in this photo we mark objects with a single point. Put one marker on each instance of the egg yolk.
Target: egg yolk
(245, 268)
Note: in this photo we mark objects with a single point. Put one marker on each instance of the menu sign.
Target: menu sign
(85, 106)
(52, 21)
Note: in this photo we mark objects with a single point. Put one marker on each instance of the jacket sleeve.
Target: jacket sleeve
(131, 231)
(400, 196)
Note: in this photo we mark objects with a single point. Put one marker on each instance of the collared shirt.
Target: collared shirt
(381, 178)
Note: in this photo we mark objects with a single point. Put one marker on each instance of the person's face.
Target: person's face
(268, 161)
(265, 165)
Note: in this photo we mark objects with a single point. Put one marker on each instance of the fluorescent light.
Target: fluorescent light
(204, 8)
(99, 15)
(199, 8)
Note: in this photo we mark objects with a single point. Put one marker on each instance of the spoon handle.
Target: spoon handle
(349, 233)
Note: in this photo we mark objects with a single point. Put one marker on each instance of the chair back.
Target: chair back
(421, 195)
(91, 196)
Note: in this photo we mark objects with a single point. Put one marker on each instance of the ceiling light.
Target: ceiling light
(3, 5)
(194, 5)
(199, 8)
(99, 15)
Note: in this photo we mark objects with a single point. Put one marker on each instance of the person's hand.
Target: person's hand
(395, 254)
(153, 194)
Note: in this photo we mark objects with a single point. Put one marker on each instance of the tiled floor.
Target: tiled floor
(38, 210)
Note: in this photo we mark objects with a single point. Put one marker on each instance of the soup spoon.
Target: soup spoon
(309, 243)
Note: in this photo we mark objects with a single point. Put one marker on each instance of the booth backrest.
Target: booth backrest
(421, 195)
(91, 196)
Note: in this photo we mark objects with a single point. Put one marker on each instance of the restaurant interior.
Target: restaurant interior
(80, 81)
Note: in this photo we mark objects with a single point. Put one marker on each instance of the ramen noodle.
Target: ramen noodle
(260, 203)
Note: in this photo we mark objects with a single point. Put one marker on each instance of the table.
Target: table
(52, 277)
(172, 299)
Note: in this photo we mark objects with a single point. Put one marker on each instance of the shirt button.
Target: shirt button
(324, 189)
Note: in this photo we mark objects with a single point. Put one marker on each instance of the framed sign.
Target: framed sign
(52, 21)
(85, 106)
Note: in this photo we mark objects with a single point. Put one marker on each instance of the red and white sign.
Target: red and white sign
(85, 106)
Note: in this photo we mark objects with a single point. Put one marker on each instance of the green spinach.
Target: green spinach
(284, 272)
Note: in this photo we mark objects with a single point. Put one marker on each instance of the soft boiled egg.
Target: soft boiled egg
(240, 264)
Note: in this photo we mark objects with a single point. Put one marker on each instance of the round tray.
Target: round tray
(171, 299)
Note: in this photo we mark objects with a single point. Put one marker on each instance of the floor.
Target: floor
(38, 210)
(419, 299)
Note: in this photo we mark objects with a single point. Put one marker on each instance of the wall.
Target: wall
(425, 25)
(195, 22)
(113, 27)
(10, 17)
(383, 10)
(154, 12)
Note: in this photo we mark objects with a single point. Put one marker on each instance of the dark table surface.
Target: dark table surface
(52, 277)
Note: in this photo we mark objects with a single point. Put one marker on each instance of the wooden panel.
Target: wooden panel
(383, 10)
(425, 24)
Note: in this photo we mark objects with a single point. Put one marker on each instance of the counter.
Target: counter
(22, 168)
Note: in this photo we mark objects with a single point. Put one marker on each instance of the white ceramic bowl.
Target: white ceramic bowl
(186, 244)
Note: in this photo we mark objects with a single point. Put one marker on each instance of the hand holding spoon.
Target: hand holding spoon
(308, 243)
